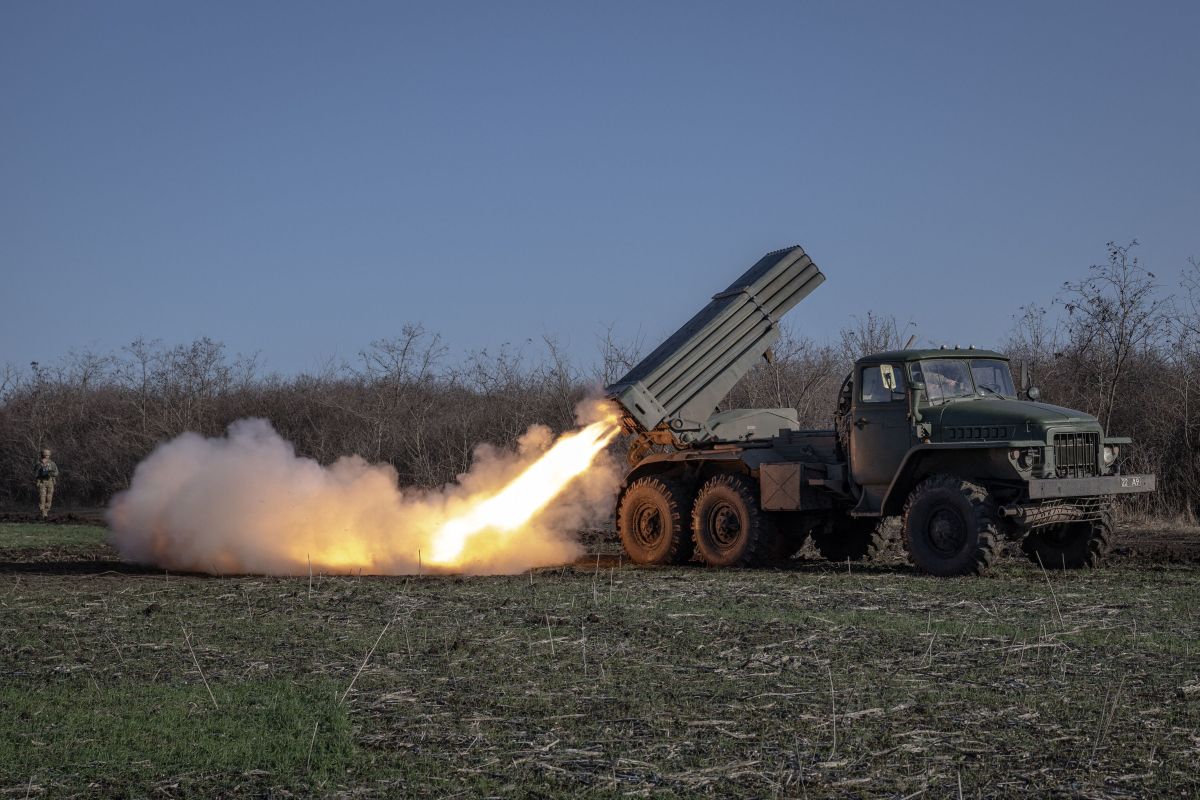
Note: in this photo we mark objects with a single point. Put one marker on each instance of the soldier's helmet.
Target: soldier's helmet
(45, 454)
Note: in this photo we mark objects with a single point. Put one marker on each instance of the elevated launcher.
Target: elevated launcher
(671, 396)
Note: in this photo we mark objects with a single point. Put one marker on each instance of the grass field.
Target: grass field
(595, 679)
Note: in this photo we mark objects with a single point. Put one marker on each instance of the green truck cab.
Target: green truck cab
(941, 438)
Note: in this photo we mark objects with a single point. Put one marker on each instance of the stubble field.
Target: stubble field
(598, 679)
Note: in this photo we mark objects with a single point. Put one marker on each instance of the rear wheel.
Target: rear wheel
(729, 527)
(1070, 546)
(950, 527)
(653, 522)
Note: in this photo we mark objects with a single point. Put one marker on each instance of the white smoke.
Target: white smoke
(246, 503)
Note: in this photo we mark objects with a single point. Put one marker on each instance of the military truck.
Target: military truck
(940, 438)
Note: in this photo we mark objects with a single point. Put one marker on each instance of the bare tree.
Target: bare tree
(616, 357)
(1112, 315)
(411, 357)
(873, 334)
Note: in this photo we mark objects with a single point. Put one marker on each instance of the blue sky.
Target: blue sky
(298, 179)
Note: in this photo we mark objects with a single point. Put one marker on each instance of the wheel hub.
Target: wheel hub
(725, 525)
(648, 525)
(947, 531)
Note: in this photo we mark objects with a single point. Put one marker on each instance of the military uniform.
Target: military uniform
(47, 472)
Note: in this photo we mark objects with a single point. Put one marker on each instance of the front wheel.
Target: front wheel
(730, 528)
(950, 527)
(1073, 545)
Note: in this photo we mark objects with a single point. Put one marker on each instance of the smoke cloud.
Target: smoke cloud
(246, 503)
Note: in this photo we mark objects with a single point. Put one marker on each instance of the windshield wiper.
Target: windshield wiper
(985, 387)
(952, 398)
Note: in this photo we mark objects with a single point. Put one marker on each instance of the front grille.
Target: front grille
(1076, 455)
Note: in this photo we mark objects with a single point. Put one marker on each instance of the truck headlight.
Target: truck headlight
(1111, 451)
(1025, 459)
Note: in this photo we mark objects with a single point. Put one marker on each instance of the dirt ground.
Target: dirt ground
(599, 679)
(84, 516)
(1153, 545)
(1144, 544)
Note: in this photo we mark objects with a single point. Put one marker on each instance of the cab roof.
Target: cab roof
(939, 352)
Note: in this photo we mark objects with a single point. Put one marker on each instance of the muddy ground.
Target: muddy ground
(599, 679)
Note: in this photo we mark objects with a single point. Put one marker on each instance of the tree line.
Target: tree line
(1114, 343)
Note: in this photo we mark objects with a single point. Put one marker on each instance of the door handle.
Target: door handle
(861, 422)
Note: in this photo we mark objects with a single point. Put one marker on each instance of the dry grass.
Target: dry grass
(598, 679)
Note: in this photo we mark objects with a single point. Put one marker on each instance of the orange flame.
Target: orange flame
(515, 504)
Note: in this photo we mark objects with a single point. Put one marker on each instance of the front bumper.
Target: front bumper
(1089, 487)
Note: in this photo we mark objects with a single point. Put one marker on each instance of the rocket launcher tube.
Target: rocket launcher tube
(681, 382)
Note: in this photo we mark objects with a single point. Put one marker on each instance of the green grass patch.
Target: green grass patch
(22, 536)
(136, 735)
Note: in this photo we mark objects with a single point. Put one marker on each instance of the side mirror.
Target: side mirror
(1033, 393)
(915, 390)
(888, 375)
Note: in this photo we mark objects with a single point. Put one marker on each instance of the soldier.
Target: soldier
(47, 471)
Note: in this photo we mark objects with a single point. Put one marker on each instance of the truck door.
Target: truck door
(880, 433)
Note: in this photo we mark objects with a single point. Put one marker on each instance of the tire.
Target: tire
(729, 527)
(653, 523)
(950, 527)
(1074, 545)
(845, 538)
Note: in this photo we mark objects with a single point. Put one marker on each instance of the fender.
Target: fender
(685, 460)
(899, 488)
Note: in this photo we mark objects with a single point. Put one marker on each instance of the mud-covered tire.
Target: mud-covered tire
(729, 527)
(654, 523)
(950, 527)
(845, 538)
(1073, 545)
(885, 540)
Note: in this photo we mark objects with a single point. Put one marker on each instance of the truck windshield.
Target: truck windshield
(944, 378)
(992, 376)
(947, 378)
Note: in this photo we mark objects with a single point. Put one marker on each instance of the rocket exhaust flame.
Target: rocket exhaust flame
(246, 503)
(513, 506)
